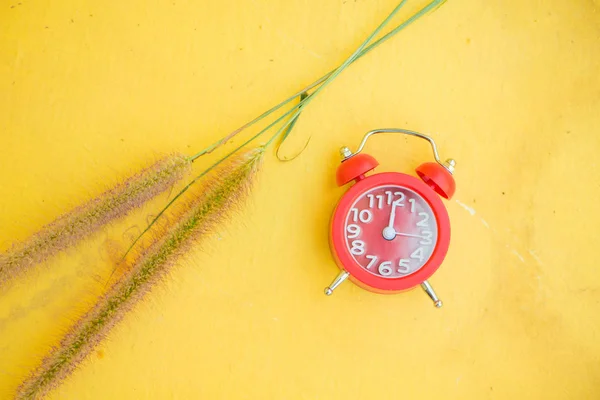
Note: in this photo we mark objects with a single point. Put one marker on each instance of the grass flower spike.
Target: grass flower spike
(218, 196)
(79, 223)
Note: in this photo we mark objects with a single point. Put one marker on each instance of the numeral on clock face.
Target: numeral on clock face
(364, 216)
(353, 231)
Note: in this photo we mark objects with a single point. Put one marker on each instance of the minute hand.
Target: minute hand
(392, 216)
(389, 233)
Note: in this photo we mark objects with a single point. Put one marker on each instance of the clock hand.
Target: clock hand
(410, 235)
(392, 216)
(389, 233)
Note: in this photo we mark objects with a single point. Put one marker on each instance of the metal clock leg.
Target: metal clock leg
(431, 293)
(336, 282)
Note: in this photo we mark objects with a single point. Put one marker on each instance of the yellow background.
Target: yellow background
(90, 91)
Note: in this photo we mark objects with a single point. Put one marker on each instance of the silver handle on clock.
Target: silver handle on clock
(449, 164)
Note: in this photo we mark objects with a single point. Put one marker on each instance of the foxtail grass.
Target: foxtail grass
(216, 199)
(79, 223)
(217, 196)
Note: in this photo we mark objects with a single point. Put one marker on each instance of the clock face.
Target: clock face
(390, 231)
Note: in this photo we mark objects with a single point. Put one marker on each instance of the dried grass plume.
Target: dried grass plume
(216, 198)
(79, 223)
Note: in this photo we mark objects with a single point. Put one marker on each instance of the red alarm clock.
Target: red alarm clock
(390, 231)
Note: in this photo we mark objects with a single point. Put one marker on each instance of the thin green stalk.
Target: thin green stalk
(354, 56)
(428, 8)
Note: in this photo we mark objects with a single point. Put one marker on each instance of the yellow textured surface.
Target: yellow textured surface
(92, 90)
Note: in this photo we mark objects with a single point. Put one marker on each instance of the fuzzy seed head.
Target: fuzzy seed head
(81, 222)
(215, 199)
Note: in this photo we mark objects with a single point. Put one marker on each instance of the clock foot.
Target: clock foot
(336, 282)
(431, 293)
